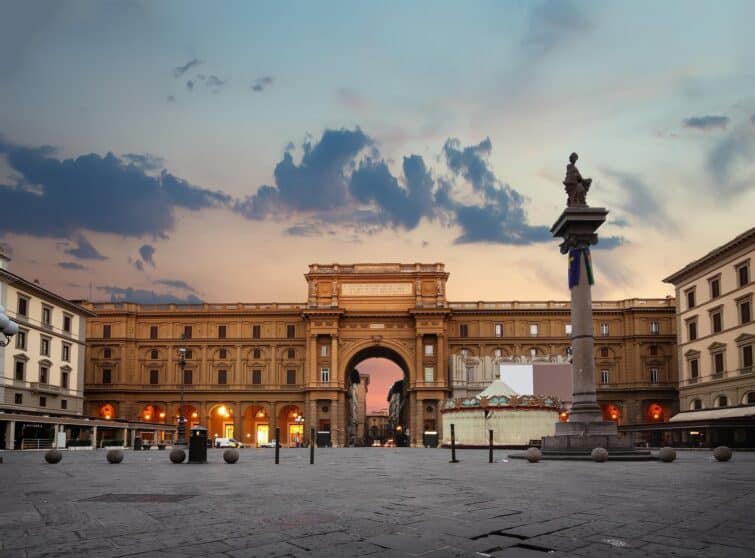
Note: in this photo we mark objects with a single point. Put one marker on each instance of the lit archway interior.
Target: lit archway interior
(256, 426)
(221, 422)
(152, 413)
(191, 414)
(291, 423)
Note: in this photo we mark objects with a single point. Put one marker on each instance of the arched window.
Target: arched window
(695, 405)
(722, 401)
(749, 399)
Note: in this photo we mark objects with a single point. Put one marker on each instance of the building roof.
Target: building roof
(710, 257)
(710, 414)
(29, 286)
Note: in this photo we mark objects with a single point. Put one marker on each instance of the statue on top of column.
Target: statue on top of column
(576, 187)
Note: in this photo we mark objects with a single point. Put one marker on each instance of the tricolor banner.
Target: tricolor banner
(574, 267)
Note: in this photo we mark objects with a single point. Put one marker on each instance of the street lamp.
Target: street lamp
(181, 417)
(8, 328)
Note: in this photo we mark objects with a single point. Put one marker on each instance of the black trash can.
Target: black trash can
(198, 445)
(430, 439)
(137, 443)
(323, 439)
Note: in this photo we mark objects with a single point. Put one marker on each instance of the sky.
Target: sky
(193, 151)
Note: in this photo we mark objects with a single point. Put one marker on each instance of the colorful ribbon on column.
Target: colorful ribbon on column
(574, 267)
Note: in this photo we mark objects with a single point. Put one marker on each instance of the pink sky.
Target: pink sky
(382, 373)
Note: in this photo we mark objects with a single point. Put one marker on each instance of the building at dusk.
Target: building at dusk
(252, 368)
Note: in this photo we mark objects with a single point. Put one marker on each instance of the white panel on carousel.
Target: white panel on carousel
(519, 377)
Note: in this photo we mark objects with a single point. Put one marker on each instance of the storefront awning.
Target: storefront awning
(713, 414)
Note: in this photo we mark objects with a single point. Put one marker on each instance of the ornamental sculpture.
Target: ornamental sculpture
(576, 187)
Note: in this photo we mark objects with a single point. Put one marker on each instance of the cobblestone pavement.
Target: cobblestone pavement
(376, 502)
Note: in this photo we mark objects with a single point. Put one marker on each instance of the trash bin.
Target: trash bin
(430, 439)
(137, 442)
(198, 445)
(323, 439)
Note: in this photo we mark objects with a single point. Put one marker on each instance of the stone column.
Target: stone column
(125, 437)
(333, 357)
(94, 437)
(10, 438)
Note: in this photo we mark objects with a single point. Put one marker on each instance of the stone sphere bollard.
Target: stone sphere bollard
(533, 455)
(53, 456)
(599, 455)
(177, 455)
(667, 454)
(231, 455)
(114, 456)
(722, 453)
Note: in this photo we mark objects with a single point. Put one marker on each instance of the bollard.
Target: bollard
(490, 446)
(312, 446)
(277, 445)
(453, 445)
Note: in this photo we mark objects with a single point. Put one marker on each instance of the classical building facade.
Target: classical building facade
(716, 328)
(255, 368)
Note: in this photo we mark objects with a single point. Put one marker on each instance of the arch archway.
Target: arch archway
(397, 400)
(291, 421)
(255, 424)
(220, 423)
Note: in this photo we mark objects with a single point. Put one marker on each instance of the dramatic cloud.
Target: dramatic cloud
(181, 70)
(144, 161)
(91, 192)
(553, 23)
(84, 249)
(146, 252)
(71, 265)
(119, 294)
(260, 84)
(706, 122)
(176, 284)
(609, 242)
(640, 200)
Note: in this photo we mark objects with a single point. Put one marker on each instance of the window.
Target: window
(23, 306)
(323, 350)
(257, 353)
(499, 330)
(429, 373)
(722, 401)
(746, 359)
(107, 376)
(745, 310)
(743, 274)
(44, 346)
(604, 329)
(19, 399)
(21, 339)
(67, 323)
(470, 374)
(692, 329)
(153, 332)
(718, 363)
(221, 332)
(292, 354)
(533, 329)
(64, 380)
(43, 401)
(463, 330)
(222, 354)
(107, 353)
(20, 370)
(66, 356)
(567, 329)
(154, 377)
(64, 404)
(690, 298)
(604, 376)
(256, 377)
(153, 354)
(222, 377)
(715, 287)
(429, 349)
(188, 377)
(188, 330)
(290, 377)
(290, 331)
(653, 350)
(256, 332)
(188, 354)
(324, 374)
(716, 320)
(655, 328)
(697, 404)
(604, 352)
(106, 331)
(46, 316)
(694, 369)
(655, 375)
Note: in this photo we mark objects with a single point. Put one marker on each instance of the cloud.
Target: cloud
(641, 201)
(752, 119)
(553, 23)
(190, 85)
(609, 242)
(140, 296)
(147, 252)
(706, 123)
(171, 99)
(215, 82)
(71, 265)
(730, 160)
(176, 284)
(260, 84)
(619, 222)
(178, 71)
(84, 249)
(90, 192)
(138, 264)
(144, 161)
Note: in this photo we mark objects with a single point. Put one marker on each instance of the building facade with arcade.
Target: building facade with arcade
(252, 368)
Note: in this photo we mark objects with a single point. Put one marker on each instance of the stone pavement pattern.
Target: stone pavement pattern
(374, 502)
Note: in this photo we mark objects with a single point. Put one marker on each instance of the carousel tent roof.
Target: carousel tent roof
(497, 388)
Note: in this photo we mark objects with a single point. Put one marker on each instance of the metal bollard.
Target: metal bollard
(277, 445)
(312, 446)
(490, 446)
(453, 445)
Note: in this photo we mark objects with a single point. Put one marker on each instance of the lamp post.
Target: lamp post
(8, 328)
(181, 417)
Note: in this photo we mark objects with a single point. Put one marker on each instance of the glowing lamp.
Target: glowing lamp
(222, 411)
(147, 416)
(194, 414)
(162, 415)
